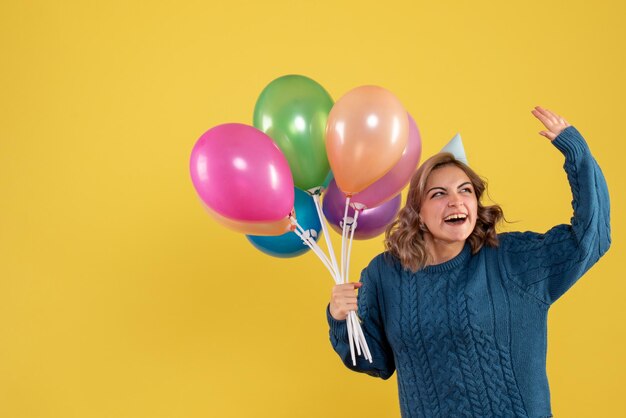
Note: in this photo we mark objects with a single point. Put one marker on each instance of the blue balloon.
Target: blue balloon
(289, 244)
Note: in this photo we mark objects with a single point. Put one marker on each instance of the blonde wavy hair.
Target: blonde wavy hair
(404, 238)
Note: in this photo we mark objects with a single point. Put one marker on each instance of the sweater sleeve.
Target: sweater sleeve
(383, 364)
(547, 265)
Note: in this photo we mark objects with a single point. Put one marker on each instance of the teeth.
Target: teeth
(455, 216)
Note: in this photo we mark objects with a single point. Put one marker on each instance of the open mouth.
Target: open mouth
(456, 219)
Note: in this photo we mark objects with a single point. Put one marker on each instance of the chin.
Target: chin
(454, 237)
(452, 240)
(447, 239)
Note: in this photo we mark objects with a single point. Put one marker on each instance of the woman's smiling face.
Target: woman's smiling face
(449, 206)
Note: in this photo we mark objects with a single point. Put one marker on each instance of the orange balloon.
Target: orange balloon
(252, 228)
(366, 134)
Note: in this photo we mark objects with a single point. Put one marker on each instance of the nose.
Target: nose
(455, 201)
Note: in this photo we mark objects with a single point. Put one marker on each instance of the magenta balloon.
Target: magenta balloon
(370, 223)
(398, 177)
(241, 174)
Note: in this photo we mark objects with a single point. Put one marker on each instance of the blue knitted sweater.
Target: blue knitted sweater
(468, 337)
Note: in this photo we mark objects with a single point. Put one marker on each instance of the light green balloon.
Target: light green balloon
(293, 110)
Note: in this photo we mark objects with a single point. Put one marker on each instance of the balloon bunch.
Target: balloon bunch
(267, 181)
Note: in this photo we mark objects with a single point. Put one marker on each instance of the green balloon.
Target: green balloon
(293, 110)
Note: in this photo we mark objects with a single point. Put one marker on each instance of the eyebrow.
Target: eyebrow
(443, 188)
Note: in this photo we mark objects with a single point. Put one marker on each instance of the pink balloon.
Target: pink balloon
(241, 174)
(398, 177)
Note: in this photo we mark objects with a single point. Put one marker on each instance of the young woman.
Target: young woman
(461, 311)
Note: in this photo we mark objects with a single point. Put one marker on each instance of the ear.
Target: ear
(422, 225)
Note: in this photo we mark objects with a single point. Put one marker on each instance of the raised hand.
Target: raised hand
(554, 123)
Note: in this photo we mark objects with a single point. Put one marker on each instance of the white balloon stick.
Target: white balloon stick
(344, 273)
(355, 332)
(362, 339)
(343, 241)
(327, 240)
(351, 339)
(312, 241)
(352, 228)
(354, 321)
(320, 255)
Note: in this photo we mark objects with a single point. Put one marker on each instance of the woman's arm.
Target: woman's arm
(382, 365)
(547, 265)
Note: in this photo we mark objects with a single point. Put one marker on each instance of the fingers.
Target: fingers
(343, 300)
(554, 118)
(548, 135)
(344, 292)
(346, 287)
(553, 122)
(543, 118)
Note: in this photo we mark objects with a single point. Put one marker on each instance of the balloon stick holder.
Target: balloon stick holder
(315, 191)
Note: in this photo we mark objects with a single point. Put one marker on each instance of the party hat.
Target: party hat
(455, 147)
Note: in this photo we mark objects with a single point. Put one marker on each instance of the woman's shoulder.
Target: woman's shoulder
(385, 263)
(524, 240)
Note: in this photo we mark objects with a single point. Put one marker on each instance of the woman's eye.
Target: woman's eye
(467, 190)
(436, 194)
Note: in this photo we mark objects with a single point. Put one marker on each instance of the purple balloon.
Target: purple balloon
(398, 177)
(370, 223)
(241, 174)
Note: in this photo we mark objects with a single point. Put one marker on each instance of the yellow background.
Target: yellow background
(120, 297)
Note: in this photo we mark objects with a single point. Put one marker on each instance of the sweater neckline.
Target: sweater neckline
(451, 264)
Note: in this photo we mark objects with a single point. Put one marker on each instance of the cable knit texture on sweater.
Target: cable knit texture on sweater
(468, 337)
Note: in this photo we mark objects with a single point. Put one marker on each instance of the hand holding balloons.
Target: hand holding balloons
(245, 182)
